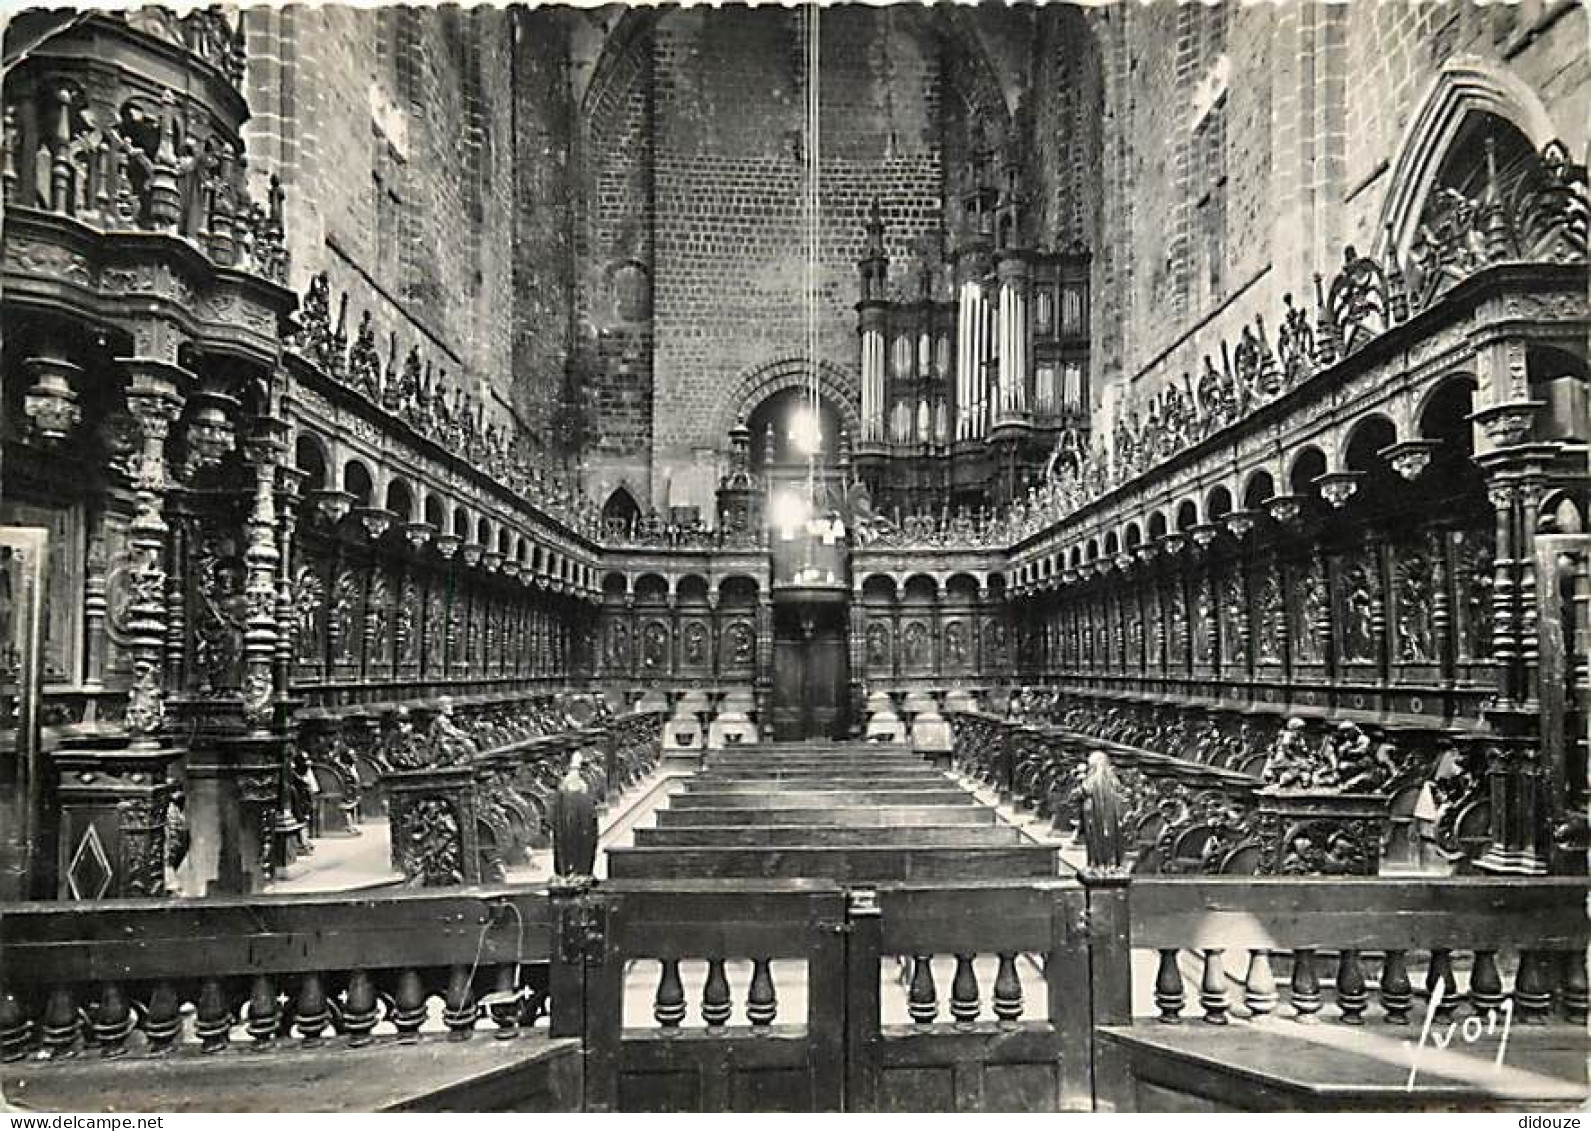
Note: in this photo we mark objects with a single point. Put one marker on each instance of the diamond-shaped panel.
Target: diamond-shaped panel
(90, 873)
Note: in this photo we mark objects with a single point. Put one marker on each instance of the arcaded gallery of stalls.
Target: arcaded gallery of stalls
(811, 558)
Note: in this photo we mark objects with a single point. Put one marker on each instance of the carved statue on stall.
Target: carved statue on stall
(654, 647)
(955, 645)
(451, 745)
(695, 644)
(914, 646)
(1102, 815)
(877, 646)
(1290, 764)
(616, 652)
(400, 747)
(1358, 600)
(574, 828)
(1359, 766)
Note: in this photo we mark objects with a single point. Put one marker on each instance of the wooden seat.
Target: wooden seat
(1284, 1067)
(432, 1074)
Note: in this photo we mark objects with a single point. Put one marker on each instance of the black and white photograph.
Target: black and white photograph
(858, 558)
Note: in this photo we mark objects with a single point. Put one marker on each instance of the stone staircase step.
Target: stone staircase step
(833, 836)
(855, 816)
(854, 863)
(792, 798)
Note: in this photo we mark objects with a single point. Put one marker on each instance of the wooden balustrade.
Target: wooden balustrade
(142, 978)
(1394, 956)
(803, 994)
(1181, 815)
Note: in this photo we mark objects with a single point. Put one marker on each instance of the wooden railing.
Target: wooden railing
(799, 994)
(1181, 815)
(1382, 952)
(152, 978)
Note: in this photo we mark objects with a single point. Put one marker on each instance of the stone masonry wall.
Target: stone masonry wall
(393, 131)
(1315, 103)
(729, 180)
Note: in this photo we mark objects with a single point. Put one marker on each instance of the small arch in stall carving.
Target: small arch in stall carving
(1560, 514)
(1308, 464)
(1187, 514)
(357, 482)
(1218, 503)
(651, 589)
(400, 499)
(309, 456)
(1257, 489)
(1157, 525)
(436, 510)
(691, 589)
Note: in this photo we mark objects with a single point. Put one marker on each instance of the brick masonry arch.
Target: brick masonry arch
(837, 384)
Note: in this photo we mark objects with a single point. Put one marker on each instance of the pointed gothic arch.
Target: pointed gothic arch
(1467, 84)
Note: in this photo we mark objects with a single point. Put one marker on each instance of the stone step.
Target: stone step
(833, 836)
(796, 798)
(815, 765)
(841, 781)
(843, 816)
(869, 863)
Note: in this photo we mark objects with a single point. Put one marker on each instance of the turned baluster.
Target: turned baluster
(1259, 986)
(1169, 995)
(1485, 983)
(761, 1004)
(1007, 990)
(61, 1024)
(1533, 987)
(113, 1020)
(359, 1008)
(408, 1005)
(668, 1006)
(1212, 988)
(1305, 986)
(311, 1012)
(1576, 993)
(964, 995)
(1397, 994)
(265, 1015)
(1440, 973)
(460, 1010)
(212, 1020)
(1352, 994)
(16, 1027)
(922, 999)
(715, 995)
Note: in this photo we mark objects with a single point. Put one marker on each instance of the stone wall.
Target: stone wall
(1244, 146)
(729, 178)
(394, 133)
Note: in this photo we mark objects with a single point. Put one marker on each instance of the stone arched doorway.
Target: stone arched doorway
(837, 389)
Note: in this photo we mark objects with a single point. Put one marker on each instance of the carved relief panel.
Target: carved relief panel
(695, 646)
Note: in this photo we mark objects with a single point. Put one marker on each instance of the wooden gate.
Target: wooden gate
(729, 996)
